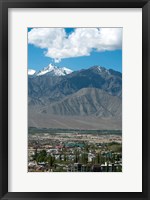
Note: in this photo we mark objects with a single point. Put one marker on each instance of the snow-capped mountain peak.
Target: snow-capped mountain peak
(100, 69)
(49, 68)
(31, 72)
(54, 71)
(66, 70)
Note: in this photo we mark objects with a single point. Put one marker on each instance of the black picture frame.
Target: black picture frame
(4, 6)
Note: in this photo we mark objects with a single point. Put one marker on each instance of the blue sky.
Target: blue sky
(77, 49)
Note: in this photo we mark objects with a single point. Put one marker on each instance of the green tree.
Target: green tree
(41, 156)
(34, 157)
(84, 158)
(76, 160)
(65, 157)
(98, 159)
(50, 160)
(86, 148)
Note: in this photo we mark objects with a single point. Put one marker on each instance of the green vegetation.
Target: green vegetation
(58, 151)
(109, 153)
(114, 147)
(34, 130)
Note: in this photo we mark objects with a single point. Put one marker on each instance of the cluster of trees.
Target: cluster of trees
(115, 147)
(35, 130)
(42, 156)
(81, 156)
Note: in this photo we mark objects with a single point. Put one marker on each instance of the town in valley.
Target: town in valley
(60, 150)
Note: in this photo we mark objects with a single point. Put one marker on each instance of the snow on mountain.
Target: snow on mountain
(54, 71)
(100, 70)
(31, 72)
(66, 70)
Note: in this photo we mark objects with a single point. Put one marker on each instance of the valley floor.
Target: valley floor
(37, 119)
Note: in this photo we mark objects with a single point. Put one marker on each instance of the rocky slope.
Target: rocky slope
(94, 93)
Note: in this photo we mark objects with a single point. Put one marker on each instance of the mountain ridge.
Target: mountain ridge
(51, 70)
(95, 93)
(86, 102)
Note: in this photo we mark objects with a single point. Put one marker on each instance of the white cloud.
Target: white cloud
(81, 42)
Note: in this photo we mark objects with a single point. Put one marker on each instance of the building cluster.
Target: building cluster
(74, 153)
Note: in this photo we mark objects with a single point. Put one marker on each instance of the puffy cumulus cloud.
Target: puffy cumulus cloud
(81, 42)
(47, 37)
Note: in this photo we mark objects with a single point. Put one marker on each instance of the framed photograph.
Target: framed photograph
(74, 99)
